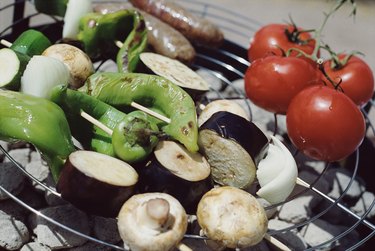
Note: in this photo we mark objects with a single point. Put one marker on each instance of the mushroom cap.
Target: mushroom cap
(232, 217)
(139, 236)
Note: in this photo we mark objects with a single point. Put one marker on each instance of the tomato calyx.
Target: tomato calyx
(294, 35)
(338, 62)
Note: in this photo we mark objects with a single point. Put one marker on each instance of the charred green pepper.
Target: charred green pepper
(139, 128)
(39, 122)
(121, 89)
(135, 137)
(99, 33)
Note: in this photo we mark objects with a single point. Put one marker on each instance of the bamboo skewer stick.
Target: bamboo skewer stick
(276, 243)
(5, 43)
(96, 122)
(133, 104)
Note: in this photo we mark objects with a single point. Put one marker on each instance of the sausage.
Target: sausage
(197, 30)
(162, 38)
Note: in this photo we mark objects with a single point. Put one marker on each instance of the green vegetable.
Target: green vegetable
(12, 66)
(134, 138)
(51, 7)
(121, 89)
(131, 147)
(31, 42)
(39, 122)
(99, 33)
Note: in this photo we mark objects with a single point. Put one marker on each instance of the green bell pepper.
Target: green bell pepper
(138, 142)
(39, 122)
(154, 92)
(99, 32)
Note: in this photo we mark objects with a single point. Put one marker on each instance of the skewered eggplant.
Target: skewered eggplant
(96, 183)
(232, 217)
(233, 147)
(176, 72)
(221, 105)
(152, 221)
(178, 172)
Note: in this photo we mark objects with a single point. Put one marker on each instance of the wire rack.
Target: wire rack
(227, 64)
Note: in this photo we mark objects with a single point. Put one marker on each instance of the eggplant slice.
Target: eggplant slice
(233, 147)
(177, 72)
(96, 183)
(178, 172)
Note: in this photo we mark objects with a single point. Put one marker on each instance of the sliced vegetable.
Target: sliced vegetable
(277, 173)
(42, 74)
(31, 42)
(176, 72)
(233, 146)
(232, 217)
(96, 183)
(12, 66)
(121, 89)
(224, 105)
(77, 61)
(152, 221)
(75, 10)
(178, 172)
(39, 122)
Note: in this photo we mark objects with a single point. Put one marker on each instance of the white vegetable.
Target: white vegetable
(221, 105)
(232, 217)
(42, 74)
(277, 173)
(77, 61)
(152, 221)
(74, 11)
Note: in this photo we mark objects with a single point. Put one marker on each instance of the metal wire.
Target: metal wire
(219, 64)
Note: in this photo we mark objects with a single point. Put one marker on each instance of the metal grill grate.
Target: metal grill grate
(227, 64)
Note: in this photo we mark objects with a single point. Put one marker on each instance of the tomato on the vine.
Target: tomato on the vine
(354, 77)
(276, 39)
(272, 82)
(325, 124)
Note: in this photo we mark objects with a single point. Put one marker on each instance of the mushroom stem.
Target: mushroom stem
(156, 213)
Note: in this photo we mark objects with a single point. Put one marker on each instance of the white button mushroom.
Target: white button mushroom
(232, 217)
(152, 221)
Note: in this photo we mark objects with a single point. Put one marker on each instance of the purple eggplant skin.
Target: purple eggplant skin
(154, 177)
(245, 133)
(91, 195)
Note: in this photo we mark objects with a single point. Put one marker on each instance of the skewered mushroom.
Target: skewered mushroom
(152, 221)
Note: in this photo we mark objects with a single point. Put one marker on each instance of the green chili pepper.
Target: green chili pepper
(132, 147)
(135, 137)
(99, 33)
(39, 122)
(121, 89)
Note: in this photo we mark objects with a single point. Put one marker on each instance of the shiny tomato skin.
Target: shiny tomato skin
(325, 124)
(272, 82)
(357, 79)
(272, 40)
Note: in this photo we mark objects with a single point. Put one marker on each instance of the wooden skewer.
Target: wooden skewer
(133, 104)
(96, 122)
(276, 243)
(183, 247)
(5, 43)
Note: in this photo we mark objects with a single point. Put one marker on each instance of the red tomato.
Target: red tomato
(325, 124)
(273, 40)
(357, 79)
(272, 82)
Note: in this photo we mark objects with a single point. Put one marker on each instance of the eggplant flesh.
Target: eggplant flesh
(233, 147)
(96, 183)
(175, 171)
